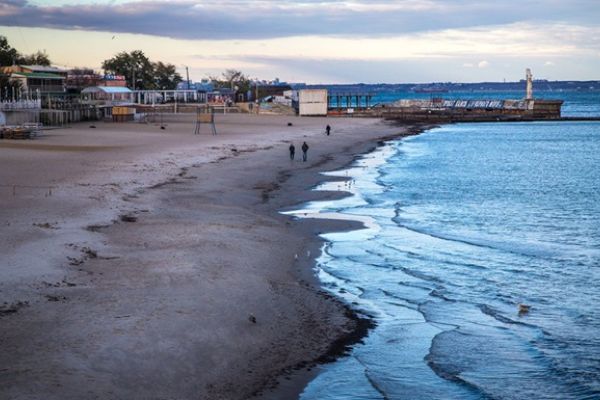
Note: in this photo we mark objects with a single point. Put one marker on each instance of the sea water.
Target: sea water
(479, 262)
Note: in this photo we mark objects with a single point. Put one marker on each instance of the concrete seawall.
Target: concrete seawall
(471, 111)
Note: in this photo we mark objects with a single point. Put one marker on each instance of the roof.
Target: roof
(225, 91)
(42, 68)
(106, 89)
(38, 75)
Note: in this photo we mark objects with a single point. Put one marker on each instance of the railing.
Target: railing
(46, 88)
(224, 109)
(21, 105)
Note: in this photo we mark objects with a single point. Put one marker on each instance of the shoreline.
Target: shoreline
(96, 296)
(292, 381)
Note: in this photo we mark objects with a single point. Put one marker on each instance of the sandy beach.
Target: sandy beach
(148, 263)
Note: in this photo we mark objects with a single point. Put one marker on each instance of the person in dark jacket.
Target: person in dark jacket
(304, 150)
(292, 151)
(328, 130)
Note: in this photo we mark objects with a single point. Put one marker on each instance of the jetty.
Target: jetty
(443, 111)
(440, 110)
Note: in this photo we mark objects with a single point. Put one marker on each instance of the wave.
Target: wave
(497, 315)
(531, 249)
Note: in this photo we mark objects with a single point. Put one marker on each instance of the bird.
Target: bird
(252, 318)
(523, 309)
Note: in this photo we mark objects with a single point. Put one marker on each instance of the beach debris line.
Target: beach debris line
(46, 225)
(128, 218)
(51, 297)
(12, 308)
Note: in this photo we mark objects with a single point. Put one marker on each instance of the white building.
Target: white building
(312, 102)
(108, 93)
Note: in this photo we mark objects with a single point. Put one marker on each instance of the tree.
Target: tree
(8, 87)
(134, 66)
(166, 76)
(38, 58)
(8, 54)
(232, 79)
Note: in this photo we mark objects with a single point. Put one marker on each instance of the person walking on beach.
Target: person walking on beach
(304, 150)
(328, 130)
(292, 151)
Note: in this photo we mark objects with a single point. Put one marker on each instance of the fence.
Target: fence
(21, 105)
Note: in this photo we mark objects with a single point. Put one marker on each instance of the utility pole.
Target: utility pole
(187, 73)
(133, 80)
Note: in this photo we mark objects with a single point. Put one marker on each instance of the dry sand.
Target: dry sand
(134, 259)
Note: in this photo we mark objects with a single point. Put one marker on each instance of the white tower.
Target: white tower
(529, 92)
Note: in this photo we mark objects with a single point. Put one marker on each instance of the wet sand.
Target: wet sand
(148, 263)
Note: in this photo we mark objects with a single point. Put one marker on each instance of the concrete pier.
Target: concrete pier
(445, 111)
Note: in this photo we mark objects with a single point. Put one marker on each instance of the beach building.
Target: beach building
(161, 96)
(201, 89)
(108, 93)
(37, 78)
(113, 80)
(310, 102)
(221, 96)
(79, 79)
(204, 86)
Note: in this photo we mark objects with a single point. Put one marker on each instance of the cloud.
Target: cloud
(239, 19)
(356, 70)
(509, 41)
(11, 7)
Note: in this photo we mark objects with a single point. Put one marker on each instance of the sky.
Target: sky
(334, 41)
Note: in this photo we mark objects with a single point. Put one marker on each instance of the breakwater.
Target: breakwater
(446, 111)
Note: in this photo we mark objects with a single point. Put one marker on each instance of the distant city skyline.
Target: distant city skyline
(331, 41)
